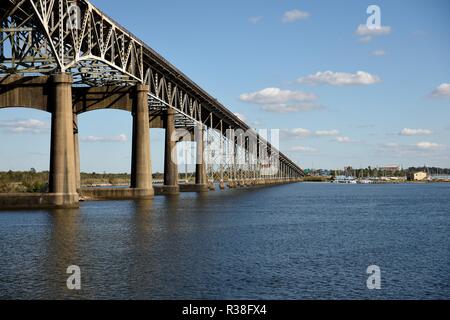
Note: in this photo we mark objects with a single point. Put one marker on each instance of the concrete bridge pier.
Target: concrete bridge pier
(62, 178)
(171, 186)
(141, 172)
(201, 179)
(76, 144)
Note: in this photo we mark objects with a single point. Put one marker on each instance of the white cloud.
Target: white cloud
(241, 117)
(379, 53)
(295, 15)
(25, 126)
(391, 145)
(363, 30)
(255, 20)
(289, 108)
(302, 149)
(367, 34)
(304, 133)
(415, 132)
(340, 78)
(343, 139)
(276, 96)
(119, 138)
(429, 146)
(442, 91)
(419, 149)
(327, 133)
(296, 133)
(281, 101)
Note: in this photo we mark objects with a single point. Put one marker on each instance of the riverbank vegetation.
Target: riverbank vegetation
(32, 181)
(36, 182)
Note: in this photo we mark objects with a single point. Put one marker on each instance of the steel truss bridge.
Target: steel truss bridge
(43, 38)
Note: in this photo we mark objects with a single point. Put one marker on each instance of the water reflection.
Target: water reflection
(295, 242)
(142, 217)
(63, 250)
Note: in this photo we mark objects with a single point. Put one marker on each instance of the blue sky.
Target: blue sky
(340, 97)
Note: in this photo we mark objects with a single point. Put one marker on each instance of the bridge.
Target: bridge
(67, 57)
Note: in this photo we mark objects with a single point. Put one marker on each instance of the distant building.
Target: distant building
(391, 169)
(324, 173)
(418, 176)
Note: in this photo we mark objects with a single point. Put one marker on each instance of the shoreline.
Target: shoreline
(378, 182)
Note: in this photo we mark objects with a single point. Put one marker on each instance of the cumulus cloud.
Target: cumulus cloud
(276, 96)
(391, 145)
(296, 133)
(340, 78)
(327, 133)
(295, 15)
(289, 108)
(119, 138)
(25, 126)
(379, 53)
(363, 30)
(255, 20)
(302, 149)
(343, 139)
(367, 34)
(281, 101)
(442, 91)
(429, 146)
(415, 132)
(418, 149)
(304, 133)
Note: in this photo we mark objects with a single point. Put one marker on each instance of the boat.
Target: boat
(345, 180)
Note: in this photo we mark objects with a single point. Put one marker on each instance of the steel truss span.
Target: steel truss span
(42, 37)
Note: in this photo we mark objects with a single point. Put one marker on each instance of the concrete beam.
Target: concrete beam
(25, 92)
(97, 98)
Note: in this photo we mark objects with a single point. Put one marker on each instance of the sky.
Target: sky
(340, 93)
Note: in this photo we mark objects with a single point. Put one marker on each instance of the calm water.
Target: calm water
(304, 241)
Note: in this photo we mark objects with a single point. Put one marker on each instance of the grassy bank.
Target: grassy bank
(21, 182)
(316, 179)
(37, 182)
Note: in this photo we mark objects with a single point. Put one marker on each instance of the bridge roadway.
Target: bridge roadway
(67, 57)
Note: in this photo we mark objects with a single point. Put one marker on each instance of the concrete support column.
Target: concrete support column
(258, 160)
(62, 179)
(239, 160)
(76, 144)
(141, 170)
(231, 147)
(200, 170)
(170, 162)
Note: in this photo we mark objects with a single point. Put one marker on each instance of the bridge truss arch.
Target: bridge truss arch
(42, 37)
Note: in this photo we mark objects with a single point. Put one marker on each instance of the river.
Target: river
(299, 241)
